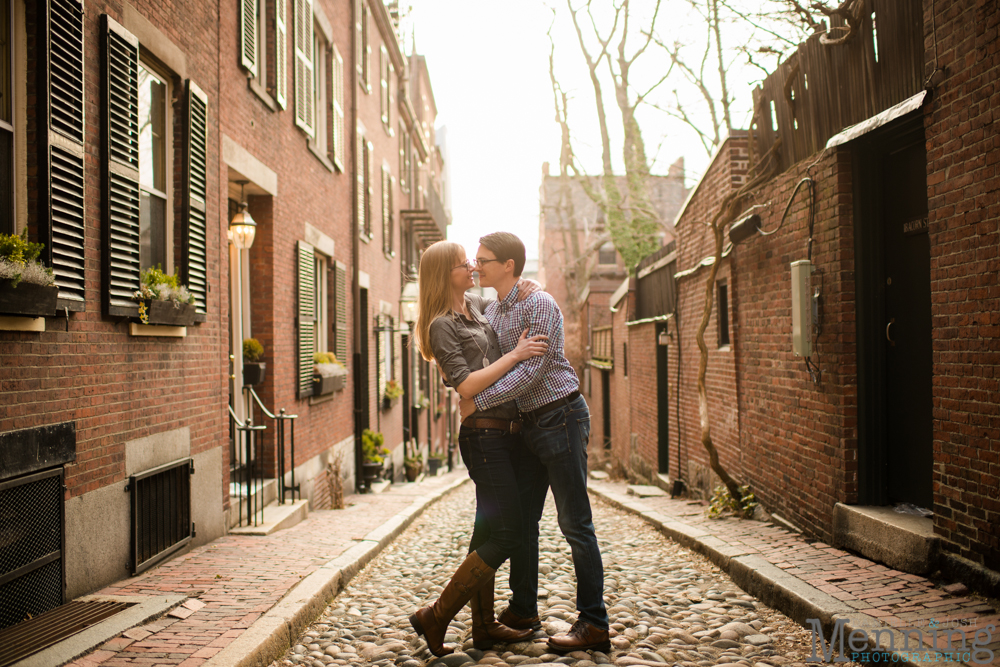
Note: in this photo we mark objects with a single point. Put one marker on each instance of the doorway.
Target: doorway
(362, 385)
(662, 403)
(892, 251)
(606, 406)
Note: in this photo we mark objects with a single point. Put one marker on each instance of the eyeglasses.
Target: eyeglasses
(480, 261)
(468, 265)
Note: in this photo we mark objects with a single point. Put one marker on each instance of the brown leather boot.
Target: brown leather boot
(432, 621)
(485, 629)
(512, 620)
(582, 637)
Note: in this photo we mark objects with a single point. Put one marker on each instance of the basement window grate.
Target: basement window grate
(31, 545)
(161, 513)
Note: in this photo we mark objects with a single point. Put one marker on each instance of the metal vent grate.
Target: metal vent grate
(53, 626)
(161, 513)
(31, 537)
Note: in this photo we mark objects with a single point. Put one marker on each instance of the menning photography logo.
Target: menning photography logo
(944, 639)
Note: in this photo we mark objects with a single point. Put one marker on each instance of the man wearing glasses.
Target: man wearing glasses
(555, 433)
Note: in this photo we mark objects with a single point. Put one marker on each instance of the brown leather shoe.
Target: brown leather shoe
(485, 629)
(432, 621)
(512, 620)
(582, 637)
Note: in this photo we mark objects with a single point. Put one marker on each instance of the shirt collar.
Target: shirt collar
(510, 299)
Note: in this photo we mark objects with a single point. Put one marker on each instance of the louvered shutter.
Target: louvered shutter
(195, 267)
(392, 216)
(369, 187)
(390, 77)
(404, 139)
(359, 160)
(248, 35)
(380, 353)
(367, 62)
(281, 53)
(359, 43)
(307, 317)
(340, 314)
(338, 109)
(120, 166)
(305, 96)
(386, 239)
(383, 69)
(61, 226)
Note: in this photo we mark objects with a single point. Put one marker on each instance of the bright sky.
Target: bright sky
(488, 63)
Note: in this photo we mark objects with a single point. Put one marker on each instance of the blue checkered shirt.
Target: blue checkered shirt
(538, 380)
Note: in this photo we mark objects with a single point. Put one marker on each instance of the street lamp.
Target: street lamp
(242, 227)
(409, 303)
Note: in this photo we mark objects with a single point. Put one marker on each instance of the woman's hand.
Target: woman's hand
(530, 347)
(526, 287)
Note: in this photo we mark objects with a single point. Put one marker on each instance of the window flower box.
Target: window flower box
(254, 372)
(27, 299)
(172, 313)
(327, 384)
(329, 374)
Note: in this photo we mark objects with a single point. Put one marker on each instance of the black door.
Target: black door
(606, 406)
(892, 292)
(662, 404)
(362, 385)
(906, 249)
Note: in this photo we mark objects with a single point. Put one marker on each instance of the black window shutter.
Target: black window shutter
(61, 220)
(307, 316)
(340, 316)
(120, 167)
(195, 267)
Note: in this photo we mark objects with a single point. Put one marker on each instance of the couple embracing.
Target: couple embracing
(525, 428)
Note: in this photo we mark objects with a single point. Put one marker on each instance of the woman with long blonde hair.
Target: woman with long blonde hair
(452, 331)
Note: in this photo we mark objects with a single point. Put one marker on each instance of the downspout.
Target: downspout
(359, 328)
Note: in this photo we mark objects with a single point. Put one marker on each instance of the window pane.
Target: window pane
(6, 87)
(152, 231)
(152, 130)
(6, 182)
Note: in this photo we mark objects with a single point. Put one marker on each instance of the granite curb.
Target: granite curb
(768, 583)
(272, 634)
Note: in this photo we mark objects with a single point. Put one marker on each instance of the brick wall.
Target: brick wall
(89, 370)
(963, 181)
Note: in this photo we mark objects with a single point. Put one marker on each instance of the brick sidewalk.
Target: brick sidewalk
(884, 595)
(231, 582)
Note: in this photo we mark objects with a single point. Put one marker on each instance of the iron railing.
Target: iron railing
(245, 466)
(280, 429)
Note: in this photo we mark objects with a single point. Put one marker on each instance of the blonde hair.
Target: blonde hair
(435, 290)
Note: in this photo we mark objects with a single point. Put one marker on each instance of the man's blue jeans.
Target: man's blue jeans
(556, 456)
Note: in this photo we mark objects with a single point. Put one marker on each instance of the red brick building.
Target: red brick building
(897, 406)
(132, 137)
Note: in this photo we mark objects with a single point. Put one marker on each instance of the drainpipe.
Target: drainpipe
(359, 327)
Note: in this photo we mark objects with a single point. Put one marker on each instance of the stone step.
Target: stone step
(276, 517)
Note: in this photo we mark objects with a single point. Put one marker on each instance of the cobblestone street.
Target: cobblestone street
(667, 605)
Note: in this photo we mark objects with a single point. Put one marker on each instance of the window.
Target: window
(320, 89)
(365, 188)
(321, 326)
(404, 158)
(388, 242)
(153, 169)
(607, 255)
(267, 78)
(625, 359)
(337, 137)
(723, 314)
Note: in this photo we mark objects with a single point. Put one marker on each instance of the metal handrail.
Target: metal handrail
(279, 429)
(251, 487)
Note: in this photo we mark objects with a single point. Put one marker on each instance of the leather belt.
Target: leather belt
(548, 407)
(510, 426)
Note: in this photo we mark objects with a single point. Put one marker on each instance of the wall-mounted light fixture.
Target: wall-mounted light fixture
(409, 303)
(242, 227)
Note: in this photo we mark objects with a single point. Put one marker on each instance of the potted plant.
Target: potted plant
(329, 374)
(393, 390)
(421, 402)
(163, 300)
(373, 456)
(253, 368)
(414, 466)
(27, 287)
(434, 462)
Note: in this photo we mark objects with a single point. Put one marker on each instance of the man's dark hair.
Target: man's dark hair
(506, 246)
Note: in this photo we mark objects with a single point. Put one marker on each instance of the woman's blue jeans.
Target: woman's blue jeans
(492, 456)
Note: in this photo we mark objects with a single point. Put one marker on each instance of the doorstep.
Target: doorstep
(901, 541)
(276, 517)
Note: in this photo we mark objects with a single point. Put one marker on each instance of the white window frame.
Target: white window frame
(168, 164)
(322, 294)
(320, 103)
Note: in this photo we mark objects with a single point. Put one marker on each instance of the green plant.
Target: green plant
(253, 351)
(327, 364)
(393, 389)
(415, 460)
(326, 358)
(372, 446)
(19, 261)
(723, 503)
(440, 456)
(156, 285)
